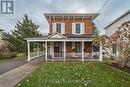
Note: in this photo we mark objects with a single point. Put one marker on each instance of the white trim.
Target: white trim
(54, 25)
(82, 28)
(38, 50)
(64, 51)
(56, 33)
(62, 28)
(82, 51)
(60, 40)
(46, 50)
(28, 43)
(100, 58)
(73, 28)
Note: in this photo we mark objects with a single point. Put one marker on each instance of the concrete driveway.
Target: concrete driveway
(9, 65)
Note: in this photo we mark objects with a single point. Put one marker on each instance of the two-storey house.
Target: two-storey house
(70, 37)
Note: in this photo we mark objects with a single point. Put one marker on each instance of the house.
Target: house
(70, 37)
(113, 26)
(111, 32)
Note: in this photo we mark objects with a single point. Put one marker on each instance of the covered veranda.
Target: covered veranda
(47, 55)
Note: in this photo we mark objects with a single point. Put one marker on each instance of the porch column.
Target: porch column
(46, 50)
(100, 57)
(28, 43)
(82, 51)
(43, 48)
(64, 50)
(38, 54)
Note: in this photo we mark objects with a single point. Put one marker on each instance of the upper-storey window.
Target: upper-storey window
(78, 28)
(58, 27)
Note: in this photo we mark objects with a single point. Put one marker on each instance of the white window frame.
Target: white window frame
(82, 28)
(62, 27)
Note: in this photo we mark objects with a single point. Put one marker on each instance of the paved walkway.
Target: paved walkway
(11, 78)
(6, 66)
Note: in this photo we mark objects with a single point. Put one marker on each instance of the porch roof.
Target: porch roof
(58, 40)
(61, 37)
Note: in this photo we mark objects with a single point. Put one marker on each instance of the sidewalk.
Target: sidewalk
(11, 78)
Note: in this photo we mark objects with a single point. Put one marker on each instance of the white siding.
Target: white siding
(111, 29)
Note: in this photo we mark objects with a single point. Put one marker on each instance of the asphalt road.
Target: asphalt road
(9, 65)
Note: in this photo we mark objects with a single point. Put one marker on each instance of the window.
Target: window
(77, 47)
(58, 27)
(77, 28)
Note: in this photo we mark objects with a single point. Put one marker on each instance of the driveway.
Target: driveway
(9, 65)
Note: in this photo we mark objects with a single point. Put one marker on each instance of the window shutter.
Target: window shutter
(63, 28)
(73, 28)
(53, 27)
(83, 28)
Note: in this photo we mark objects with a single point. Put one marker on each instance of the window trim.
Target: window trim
(82, 28)
(60, 27)
(54, 26)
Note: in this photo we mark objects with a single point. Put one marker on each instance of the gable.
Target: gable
(56, 35)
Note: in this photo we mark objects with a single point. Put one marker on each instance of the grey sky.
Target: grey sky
(36, 8)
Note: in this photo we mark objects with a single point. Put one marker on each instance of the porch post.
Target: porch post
(43, 48)
(28, 43)
(64, 50)
(100, 57)
(46, 50)
(38, 50)
(82, 51)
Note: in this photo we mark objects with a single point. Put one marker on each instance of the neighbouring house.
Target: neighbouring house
(111, 32)
(70, 38)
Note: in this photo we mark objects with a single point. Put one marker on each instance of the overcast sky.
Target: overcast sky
(36, 8)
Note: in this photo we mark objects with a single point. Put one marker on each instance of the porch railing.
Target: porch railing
(68, 56)
(73, 56)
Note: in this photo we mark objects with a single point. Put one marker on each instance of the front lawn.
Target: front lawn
(63, 74)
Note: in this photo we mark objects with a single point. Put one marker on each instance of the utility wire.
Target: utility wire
(103, 6)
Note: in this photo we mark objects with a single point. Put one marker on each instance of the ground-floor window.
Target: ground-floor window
(77, 47)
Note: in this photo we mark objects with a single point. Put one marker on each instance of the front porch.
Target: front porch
(64, 51)
(57, 47)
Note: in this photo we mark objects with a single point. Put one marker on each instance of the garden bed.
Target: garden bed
(125, 68)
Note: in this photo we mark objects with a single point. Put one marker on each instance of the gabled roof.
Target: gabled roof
(56, 35)
(117, 19)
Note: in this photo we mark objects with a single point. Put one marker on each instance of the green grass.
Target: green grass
(19, 56)
(76, 75)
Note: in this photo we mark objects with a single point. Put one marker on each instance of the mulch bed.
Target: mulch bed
(125, 68)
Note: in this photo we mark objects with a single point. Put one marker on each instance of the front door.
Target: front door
(57, 47)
